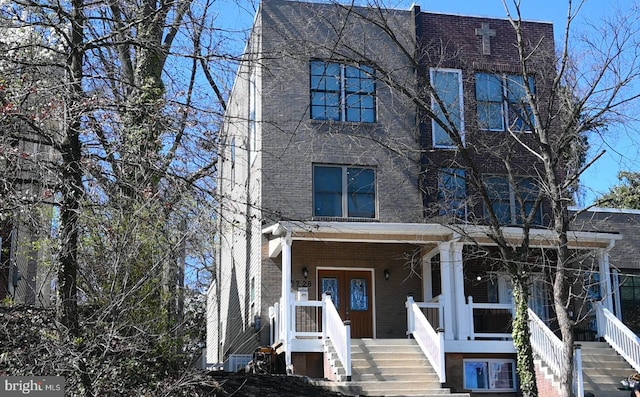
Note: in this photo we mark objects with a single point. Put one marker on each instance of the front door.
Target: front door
(351, 294)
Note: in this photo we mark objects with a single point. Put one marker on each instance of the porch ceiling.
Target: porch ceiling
(425, 233)
(418, 233)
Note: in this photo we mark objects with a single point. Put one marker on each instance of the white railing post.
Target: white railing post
(442, 373)
(578, 376)
(347, 364)
(600, 321)
(410, 316)
(472, 325)
(441, 316)
(272, 325)
(324, 315)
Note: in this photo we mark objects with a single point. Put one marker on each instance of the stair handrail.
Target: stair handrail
(549, 348)
(431, 341)
(338, 331)
(619, 336)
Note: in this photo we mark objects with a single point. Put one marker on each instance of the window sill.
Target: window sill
(350, 123)
(341, 219)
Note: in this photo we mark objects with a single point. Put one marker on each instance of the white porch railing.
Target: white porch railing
(430, 341)
(305, 318)
(275, 323)
(549, 348)
(621, 338)
(338, 332)
(500, 311)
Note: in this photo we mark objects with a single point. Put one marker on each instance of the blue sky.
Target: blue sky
(622, 144)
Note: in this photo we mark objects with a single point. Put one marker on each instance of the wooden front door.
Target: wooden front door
(351, 294)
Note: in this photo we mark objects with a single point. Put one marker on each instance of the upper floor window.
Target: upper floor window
(340, 191)
(342, 92)
(447, 106)
(452, 192)
(506, 199)
(502, 102)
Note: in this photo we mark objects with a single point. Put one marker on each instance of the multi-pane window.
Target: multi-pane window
(489, 374)
(342, 92)
(630, 300)
(502, 102)
(507, 200)
(341, 191)
(452, 192)
(447, 106)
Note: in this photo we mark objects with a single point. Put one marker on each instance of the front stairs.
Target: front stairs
(390, 367)
(603, 369)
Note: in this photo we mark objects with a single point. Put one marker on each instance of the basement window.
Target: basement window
(490, 375)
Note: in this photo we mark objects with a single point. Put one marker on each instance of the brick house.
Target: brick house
(332, 181)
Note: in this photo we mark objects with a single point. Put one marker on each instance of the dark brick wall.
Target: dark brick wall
(624, 255)
(450, 41)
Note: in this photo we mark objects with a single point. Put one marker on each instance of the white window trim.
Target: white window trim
(433, 104)
(489, 361)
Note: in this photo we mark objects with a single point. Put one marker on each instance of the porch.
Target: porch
(454, 304)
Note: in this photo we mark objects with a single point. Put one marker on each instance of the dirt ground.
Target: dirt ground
(250, 385)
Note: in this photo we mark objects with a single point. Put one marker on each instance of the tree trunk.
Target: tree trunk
(71, 175)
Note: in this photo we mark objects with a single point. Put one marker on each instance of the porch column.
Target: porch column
(462, 317)
(615, 287)
(286, 295)
(447, 287)
(605, 279)
(427, 276)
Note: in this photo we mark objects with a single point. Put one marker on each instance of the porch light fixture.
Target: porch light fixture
(305, 272)
(386, 274)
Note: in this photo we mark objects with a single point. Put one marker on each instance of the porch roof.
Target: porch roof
(428, 233)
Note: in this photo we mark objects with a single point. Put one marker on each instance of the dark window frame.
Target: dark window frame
(512, 102)
(355, 196)
(341, 92)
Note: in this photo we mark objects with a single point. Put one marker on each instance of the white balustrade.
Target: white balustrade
(430, 341)
(545, 343)
(502, 309)
(549, 348)
(338, 332)
(305, 319)
(621, 338)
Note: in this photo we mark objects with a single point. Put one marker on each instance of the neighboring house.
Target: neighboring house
(331, 181)
(26, 271)
(624, 257)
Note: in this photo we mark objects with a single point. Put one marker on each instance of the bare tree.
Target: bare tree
(113, 92)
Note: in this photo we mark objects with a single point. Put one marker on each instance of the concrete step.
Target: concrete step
(393, 367)
(603, 369)
(389, 363)
(385, 348)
